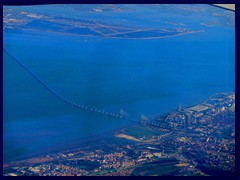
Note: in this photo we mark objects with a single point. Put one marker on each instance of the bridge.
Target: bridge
(121, 115)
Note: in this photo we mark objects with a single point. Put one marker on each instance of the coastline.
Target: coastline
(109, 37)
(82, 142)
(73, 145)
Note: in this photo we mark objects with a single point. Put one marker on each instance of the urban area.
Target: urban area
(192, 141)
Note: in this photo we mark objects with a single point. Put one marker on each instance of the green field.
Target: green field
(153, 170)
(140, 131)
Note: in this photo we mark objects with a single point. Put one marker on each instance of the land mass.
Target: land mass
(197, 140)
(24, 21)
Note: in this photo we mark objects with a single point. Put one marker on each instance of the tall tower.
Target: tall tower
(179, 108)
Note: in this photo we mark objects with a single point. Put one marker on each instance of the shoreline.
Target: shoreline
(109, 37)
(73, 145)
(81, 142)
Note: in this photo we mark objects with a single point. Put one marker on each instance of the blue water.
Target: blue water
(140, 76)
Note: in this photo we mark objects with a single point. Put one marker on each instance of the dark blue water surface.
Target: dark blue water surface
(140, 76)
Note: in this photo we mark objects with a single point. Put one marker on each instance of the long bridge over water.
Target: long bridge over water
(120, 115)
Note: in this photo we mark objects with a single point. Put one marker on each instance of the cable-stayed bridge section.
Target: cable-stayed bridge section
(121, 115)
